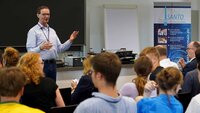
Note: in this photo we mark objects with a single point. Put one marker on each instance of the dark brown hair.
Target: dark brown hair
(12, 81)
(196, 44)
(109, 65)
(40, 8)
(142, 67)
(162, 50)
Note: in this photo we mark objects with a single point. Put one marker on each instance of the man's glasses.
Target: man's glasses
(189, 48)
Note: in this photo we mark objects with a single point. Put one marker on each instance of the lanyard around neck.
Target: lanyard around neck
(46, 36)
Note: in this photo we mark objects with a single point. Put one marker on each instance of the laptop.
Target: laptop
(66, 95)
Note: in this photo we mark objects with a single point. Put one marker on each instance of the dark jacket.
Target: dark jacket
(84, 90)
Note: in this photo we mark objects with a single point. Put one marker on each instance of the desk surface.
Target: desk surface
(68, 68)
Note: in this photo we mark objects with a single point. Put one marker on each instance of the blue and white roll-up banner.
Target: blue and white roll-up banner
(172, 27)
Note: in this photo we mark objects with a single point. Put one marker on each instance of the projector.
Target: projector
(73, 61)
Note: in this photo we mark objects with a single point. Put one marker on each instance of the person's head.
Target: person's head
(153, 54)
(43, 13)
(10, 57)
(87, 64)
(1, 59)
(142, 67)
(32, 65)
(162, 50)
(12, 82)
(106, 68)
(192, 46)
(169, 79)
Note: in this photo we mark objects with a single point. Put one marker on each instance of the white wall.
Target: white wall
(94, 21)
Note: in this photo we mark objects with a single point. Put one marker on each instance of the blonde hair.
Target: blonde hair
(10, 57)
(87, 64)
(28, 63)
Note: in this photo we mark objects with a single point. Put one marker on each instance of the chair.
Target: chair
(66, 95)
(66, 109)
(184, 99)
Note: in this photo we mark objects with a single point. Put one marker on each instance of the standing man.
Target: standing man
(164, 61)
(44, 40)
(192, 64)
(105, 70)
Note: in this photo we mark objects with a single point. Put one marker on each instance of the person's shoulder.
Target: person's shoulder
(27, 109)
(173, 64)
(34, 27)
(20, 108)
(196, 99)
(147, 101)
(48, 82)
(192, 74)
(52, 29)
(195, 71)
(85, 77)
(129, 100)
(128, 86)
(87, 105)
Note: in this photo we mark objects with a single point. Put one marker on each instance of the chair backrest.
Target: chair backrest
(184, 98)
(66, 109)
(66, 95)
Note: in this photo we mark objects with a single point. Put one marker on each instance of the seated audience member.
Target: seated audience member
(10, 57)
(142, 67)
(105, 71)
(191, 81)
(40, 92)
(12, 87)
(192, 64)
(164, 61)
(85, 86)
(169, 82)
(194, 105)
(152, 53)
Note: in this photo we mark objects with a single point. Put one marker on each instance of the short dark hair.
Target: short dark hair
(40, 8)
(143, 66)
(12, 81)
(196, 44)
(109, 65)
(162, 50)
